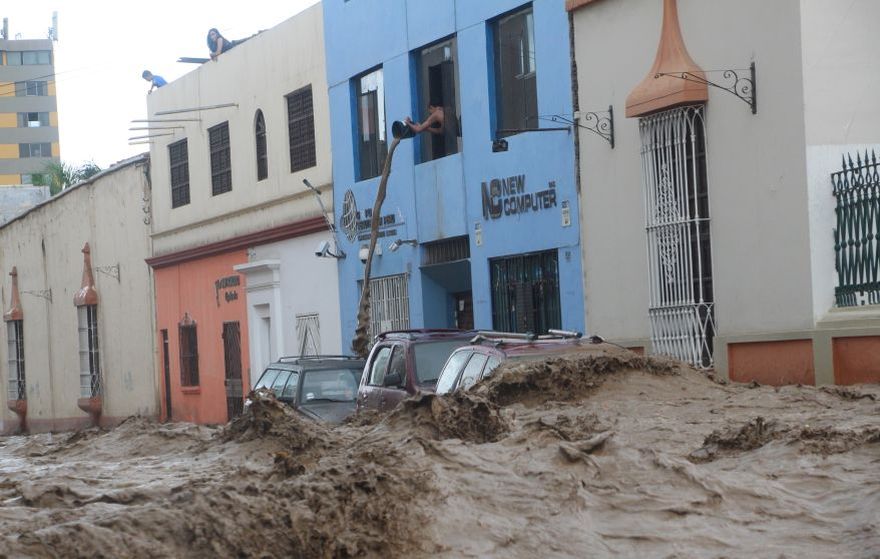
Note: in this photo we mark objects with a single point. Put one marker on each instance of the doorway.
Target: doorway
(166, 363)
(232, 359)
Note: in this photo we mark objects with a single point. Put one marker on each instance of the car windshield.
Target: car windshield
(267, 379)
(430, 357)
(329, 385)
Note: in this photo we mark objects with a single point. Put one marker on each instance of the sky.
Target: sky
(104, 46)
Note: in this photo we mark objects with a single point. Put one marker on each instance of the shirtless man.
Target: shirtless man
(433, 124)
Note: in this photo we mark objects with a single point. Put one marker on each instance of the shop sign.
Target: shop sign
(503, 197)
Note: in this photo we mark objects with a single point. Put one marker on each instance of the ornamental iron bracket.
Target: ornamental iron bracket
(112, 271)
(744, 88)
(42, 293)
(593, 121)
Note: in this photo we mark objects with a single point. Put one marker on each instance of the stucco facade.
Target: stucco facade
(45, 246)
(456, 212)
(768, 174)
(267, 95)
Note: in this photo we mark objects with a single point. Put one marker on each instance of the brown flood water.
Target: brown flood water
(609, 455)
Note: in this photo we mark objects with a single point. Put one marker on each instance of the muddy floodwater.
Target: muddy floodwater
(608, 455)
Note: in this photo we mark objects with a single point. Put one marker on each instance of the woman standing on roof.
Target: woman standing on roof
(218, 44)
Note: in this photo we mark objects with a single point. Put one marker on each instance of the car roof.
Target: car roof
(310, 362)
(426, 335)
(511, 344)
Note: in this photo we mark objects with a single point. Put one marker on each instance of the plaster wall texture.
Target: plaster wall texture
(18, 199)
(45, 245)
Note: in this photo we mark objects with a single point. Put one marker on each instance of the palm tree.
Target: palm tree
(59, 175)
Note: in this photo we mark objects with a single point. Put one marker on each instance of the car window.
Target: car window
(279, 383)
(267, 379)
(450, 371)
(335, 385)
(398, 363)
(491, 365)
(289, 391)
(472, 371)
(430, 357)
(380, 363)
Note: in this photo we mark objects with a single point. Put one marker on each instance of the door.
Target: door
(464, 310)
(166, 363)
(232, 359)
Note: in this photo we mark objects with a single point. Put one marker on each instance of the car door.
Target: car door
(374, 377)
(391, 394)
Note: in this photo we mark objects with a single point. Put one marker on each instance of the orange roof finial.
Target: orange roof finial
(655, 94)
(14, 312)
(87, 294)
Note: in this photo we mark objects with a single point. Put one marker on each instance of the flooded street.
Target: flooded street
(602, 456)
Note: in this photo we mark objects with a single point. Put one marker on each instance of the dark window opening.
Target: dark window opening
(301, 129)
(260, 138)
(371, 141)
(516, 94)
(15, 340)
(189, 352)
(33, 120)
(437, 87)
(221, 162)
(178, 154)
(525, 293)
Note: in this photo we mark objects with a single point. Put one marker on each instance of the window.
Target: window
(31, 88)
(380, 363)
(471, 373)
(516, 95)
(308, 334)
(89, 361)
(398, 363)
(30, 57)
(178, 155)
(371, 141)
(33, 120)
(13, 58)
(681, 302)
(389, 304)
(260, 140)
(189, 352)
(301, 129)
(449, 374)
(15, 343)
(221, 162)
(436, 71)
(43, 149)
(36, 179)
(525, 293)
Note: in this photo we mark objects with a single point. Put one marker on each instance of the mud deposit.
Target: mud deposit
(604, 456)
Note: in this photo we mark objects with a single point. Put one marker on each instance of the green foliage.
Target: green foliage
(59, 175)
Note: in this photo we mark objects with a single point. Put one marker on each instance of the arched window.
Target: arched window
(260, 136)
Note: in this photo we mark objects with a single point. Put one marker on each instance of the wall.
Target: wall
(16, 200)
(45, 245)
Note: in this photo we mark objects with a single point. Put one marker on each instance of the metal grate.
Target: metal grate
(308, 334)
(262, 153)
(189, 354)
(857, 235)
(232, 361)
(525, 293)
(17, 389)
(178, 155)
(389, 304)
(221, 162)
(89, 359)
(681, 302)
(447, 250)
(301, 129)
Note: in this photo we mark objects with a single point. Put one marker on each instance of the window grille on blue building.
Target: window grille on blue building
(525, 293)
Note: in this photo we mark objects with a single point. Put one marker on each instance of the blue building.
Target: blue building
(480, 224)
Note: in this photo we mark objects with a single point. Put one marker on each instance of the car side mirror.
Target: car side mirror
(393, 379)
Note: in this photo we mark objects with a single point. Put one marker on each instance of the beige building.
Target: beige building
(709, 228)
(236, 230)
(77, 304)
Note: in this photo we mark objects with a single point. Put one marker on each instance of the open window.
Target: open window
(371, 141)
(516, 93)
(437, 87)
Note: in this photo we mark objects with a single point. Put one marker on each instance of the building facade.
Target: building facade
(28, 110)
(235, 227)
(479, 227)
(78, 308)
(722, 227)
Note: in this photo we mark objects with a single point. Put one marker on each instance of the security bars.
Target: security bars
(681, 301)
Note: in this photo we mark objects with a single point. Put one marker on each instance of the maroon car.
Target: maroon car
(403, 362)
(468, 364)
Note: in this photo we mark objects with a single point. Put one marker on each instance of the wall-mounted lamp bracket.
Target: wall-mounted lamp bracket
(594, 121)
(112, 271)
(745, 88)
(42, 293)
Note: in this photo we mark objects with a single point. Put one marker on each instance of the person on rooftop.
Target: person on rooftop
(155, 81)
(218, 44)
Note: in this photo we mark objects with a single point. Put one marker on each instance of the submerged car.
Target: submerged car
(485, 351)
(404, 362)
(320, 387)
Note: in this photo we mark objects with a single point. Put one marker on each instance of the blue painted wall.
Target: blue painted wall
(443, 198)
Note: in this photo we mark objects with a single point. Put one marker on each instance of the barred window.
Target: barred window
(221, 162)
(262, 155)
(301, 129)
(189, 352)
(89, 359)
(15, 344)
(178, 155)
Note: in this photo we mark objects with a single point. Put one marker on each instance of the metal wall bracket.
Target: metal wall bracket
(112, 271)
(743, 87)
(594, 121)
(42, 293)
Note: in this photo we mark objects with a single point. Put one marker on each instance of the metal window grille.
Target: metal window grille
(389, 304)
(262, 153)
(178, 155)
(232, 361)
(189, 353)
(857, 235)
(681, 301)
(525, 293)
(90, 385)
(15, 343)
(308, 334)
(221, 162)
(301, 129)
(447, 250)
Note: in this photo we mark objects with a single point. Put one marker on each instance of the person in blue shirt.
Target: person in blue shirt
(155, 81)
